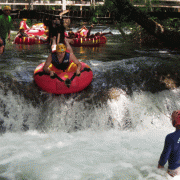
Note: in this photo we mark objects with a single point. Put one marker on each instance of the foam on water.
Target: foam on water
(82, 155)
(126, 151)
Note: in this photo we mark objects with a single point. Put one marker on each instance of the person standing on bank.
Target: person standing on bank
(61, 58)
(5, 24)
(171, 151)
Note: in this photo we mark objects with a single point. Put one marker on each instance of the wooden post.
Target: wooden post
(81, 10)
(64, 5)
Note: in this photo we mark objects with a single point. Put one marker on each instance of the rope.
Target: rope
(67, 81)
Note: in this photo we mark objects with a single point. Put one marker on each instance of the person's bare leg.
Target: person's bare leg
(58, 38)
(53, 46)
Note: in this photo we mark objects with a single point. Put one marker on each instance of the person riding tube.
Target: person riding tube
(61, 59)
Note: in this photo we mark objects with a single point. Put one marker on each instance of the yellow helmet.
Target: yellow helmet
(21, 28)
(6, 8)
(46, 32)
(60, 47)
(24, 19)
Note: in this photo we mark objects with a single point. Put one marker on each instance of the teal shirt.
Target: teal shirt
(5, 25)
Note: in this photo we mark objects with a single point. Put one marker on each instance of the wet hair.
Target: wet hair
(97, 34)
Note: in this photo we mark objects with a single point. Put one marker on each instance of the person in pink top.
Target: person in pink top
(84, 32)
(23, 24)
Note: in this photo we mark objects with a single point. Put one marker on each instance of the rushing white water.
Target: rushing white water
(91, 153)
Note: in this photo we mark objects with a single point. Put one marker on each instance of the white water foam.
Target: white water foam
(92, 153)
(82, 155)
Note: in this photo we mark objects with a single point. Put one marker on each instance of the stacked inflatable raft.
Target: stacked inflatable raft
(37, 29)
(29, 40)
(36, 35)
(95, 41)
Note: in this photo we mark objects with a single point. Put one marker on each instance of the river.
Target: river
(114, 129)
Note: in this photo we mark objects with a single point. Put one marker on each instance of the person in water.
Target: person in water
(87, 34)
(21, 33)
(61, 58)
(5, 24)
(83, 32)
(100, 34)
(171, 151)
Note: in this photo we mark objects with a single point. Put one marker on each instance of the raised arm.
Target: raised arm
(69, 48)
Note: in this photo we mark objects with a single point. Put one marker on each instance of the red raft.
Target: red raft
(63, 82)
(93, 42)
(30, 40)
(37, 29)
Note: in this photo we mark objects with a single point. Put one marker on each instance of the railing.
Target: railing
(172, 4)
(157, 4)
(46, 2)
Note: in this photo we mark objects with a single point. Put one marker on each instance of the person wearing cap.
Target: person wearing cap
(23, 24)
(171, 151)
(61, 58)
(21, 33)
(5, 24)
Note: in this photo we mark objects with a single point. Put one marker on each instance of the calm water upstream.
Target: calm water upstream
(114, 129)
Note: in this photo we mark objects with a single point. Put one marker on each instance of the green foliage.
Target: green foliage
(147, 6)
(19, 7)
(171, 23)
(101, 10)
(110, 6)
(73, 8)
(29, 22)
(41, 8)
(94, 20)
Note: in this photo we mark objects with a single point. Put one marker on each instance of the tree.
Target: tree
(124, 7)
